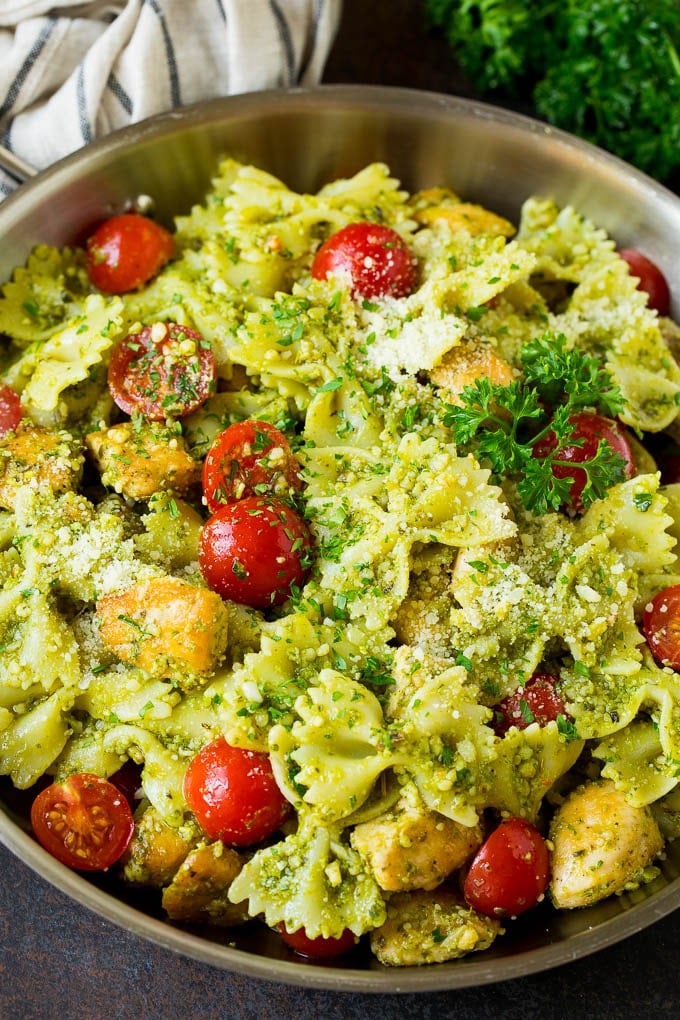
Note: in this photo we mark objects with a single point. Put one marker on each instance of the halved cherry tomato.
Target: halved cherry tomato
(588, 430)
(254, 550)
(164, 371)
(320, 948)
(376, 260)
(536, 701)
(661, 626)
(650, 279)
(233, 794)
(11, 411)
(250, 458)
(510, 872)
(84, 821)
(126, 251)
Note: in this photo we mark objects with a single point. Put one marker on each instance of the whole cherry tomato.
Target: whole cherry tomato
(375, 259)
(233, 794)
(588, 430)
(650, 279)
(164, 371)
(250, 458)
(661, 626)
(510, 872)
(537, 701)
(11, 411)
(320, 948)
(84, 821)
(253, 551)
(127, 251)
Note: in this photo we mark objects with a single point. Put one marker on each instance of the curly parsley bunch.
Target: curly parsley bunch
(607, 70)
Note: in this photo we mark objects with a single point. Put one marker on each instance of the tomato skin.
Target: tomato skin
(252, 551)
(589, 428)
(84, 821)
(320, 948)
(537, 701)
(233, 794)
(510, 871)
(249, 458)
(376, 259)
(127, 251)
(164, 371)
(661, 626)
(11, 411)
(650, 278)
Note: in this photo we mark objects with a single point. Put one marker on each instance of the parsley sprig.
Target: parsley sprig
(608, 70)
(503, 425)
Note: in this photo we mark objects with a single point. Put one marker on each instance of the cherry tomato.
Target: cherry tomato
(85, 822)
(233, 794)
(589, 429)
(164, 371)
(126, 251)
(661, 626)
(11, 411)
(250, 458)
(320, 947)
(376, 259)
(650, 279)
(537, 701)
(510, 872)
(254, 550)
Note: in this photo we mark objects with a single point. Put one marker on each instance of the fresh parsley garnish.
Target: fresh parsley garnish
(608, 70)
(503, 424)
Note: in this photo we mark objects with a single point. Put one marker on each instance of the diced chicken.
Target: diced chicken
(461, 366)
(165, 626)
(430, 927)
(602, 845)
(422, 619)
(156, 851)
(33, 456)
(139, 461)
(198, 893)
(414, 849)
(474, 219)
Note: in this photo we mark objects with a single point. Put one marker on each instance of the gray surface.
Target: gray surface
(60, 962)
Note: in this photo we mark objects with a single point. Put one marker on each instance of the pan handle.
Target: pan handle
(15, 166)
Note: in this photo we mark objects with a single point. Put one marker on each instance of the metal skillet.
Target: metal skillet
(308, 137)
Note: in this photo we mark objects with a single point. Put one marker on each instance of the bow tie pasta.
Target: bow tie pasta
(345, 537)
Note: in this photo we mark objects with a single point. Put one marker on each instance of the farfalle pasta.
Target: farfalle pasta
(433, 596)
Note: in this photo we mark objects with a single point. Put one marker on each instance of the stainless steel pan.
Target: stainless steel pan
(308, 137)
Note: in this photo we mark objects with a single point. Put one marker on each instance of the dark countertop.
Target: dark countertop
(58, 960)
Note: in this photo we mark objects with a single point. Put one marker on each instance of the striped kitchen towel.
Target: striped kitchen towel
(72, 72)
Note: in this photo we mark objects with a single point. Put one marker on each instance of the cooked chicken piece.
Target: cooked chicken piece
(461, 366)
(430, 927)
(601, 845)
(165, 626)
(198, 893)
(139, 461)
(422, 619)
(474, 219)
(36, 457)
(156, 851)
(409, 848)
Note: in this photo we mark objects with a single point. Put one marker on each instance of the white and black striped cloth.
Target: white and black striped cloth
(72, 72)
